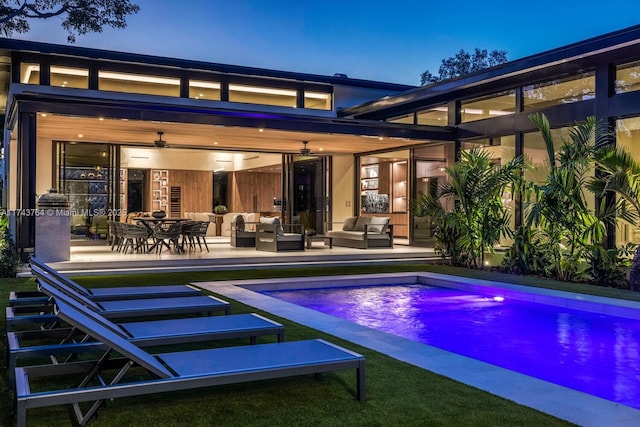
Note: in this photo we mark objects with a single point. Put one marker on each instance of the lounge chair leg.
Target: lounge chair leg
(360, 393)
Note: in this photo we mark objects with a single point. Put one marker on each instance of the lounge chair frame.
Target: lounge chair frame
(100, 294)
(176, 371)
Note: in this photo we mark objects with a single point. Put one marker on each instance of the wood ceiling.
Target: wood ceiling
(186, 135)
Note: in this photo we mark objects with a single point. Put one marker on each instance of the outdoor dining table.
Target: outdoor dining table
(151, 223)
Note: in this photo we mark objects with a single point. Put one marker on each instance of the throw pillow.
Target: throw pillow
(273, 220)
(239, 220)
(361, 222)
(378, 224)
(349, 224)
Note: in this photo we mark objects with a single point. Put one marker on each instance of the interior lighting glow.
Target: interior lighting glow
(499, 299)
(205, 85)
(68, 71)
(138, 78)
(265, 90)
(316, 95)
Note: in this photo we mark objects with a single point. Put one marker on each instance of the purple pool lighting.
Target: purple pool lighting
(593, 353)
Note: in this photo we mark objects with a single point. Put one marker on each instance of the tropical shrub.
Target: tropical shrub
(9, 258)
(475, 185)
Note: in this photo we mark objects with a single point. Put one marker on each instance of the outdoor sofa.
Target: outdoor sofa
(363, 232)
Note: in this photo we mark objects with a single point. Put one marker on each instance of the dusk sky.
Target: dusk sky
(392, 41)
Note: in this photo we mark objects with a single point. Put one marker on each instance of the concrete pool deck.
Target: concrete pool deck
(562, 402)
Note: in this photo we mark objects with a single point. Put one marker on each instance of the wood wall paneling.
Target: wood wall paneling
(254, 191)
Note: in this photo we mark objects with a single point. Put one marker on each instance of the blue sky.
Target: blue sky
(391, 41)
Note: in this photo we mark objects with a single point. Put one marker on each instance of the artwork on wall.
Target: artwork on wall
(375, 203)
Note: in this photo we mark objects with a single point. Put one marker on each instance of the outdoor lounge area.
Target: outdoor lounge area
(173, 371)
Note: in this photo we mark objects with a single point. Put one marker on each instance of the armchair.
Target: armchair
(270, 236)
(241, 236)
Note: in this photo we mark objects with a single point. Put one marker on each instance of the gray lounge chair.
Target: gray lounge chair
(151, 333)
(100, 294)
(24, 315)
(173, 371)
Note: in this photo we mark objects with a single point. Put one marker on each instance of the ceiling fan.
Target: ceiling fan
(160, 143)
(304, 151)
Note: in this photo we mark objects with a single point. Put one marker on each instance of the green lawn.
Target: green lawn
(398, 394)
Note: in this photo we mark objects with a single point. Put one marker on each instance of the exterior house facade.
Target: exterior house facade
(121, 133)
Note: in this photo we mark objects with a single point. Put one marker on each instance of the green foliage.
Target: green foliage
(475, 185)
(220, 209)
(527, 254)
(608, 267)
(9, 258)
(464, 63)
(559, 207)
(78, 16)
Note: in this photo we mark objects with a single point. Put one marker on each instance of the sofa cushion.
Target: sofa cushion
(356, 235)
(361, 222)
(349, 224)
(378, 224)
(273, 220)
(250, 217)
(239, 220)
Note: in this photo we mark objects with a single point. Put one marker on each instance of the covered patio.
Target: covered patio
(98, 258)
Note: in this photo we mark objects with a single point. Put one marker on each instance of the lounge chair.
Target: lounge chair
(172, 371)
(99, 294)
(24, 315)
(143, 334)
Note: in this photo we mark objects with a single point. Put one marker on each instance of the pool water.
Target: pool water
(593, 353)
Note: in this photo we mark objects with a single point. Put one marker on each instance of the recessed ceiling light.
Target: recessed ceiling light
(80, 135)
(101, 118)
(43, 114)
(215, 142)
(260, 130)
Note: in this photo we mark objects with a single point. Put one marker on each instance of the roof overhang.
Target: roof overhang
(563, 61)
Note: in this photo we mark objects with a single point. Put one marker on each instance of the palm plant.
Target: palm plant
(620, 175)
(475, 184)
(559, 206)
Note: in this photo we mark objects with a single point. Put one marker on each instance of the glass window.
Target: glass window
(436, 116)
(262, 95)
(490, 106)
(317, 100)
(138, 83)
(535, 153)
(30, 73)
(199, 89)
(407, 118)
(628, 77)
(69, 77)
(558, 92)
(628, 137)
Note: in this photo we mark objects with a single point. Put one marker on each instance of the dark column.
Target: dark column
(224, 91)
(184, 87)
(26, 177)
(517, 197)
(605, 81)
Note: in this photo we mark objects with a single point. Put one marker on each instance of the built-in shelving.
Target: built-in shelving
(399, 190)
(159, 190)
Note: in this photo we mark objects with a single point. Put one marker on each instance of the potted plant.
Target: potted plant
(220, 210)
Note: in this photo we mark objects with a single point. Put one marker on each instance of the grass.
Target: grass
(397, 393)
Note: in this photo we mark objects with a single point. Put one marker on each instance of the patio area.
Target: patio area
(97, 257)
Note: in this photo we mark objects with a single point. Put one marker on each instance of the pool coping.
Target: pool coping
(562, 402)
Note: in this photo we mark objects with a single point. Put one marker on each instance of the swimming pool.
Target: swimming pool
(595, 353)
(572, 405)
